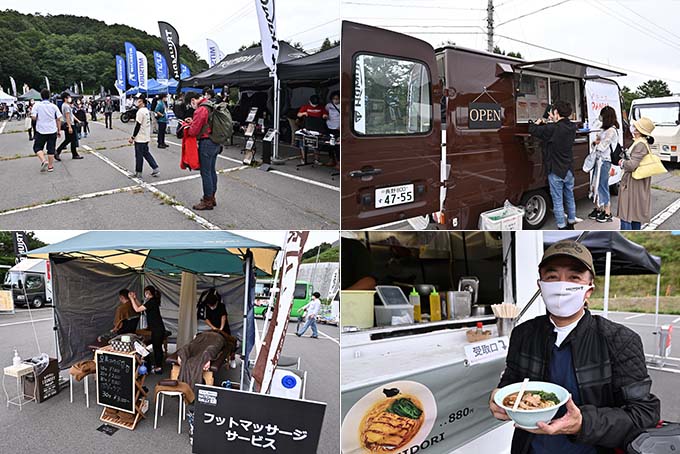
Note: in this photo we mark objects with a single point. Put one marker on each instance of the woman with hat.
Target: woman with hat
(635, 196)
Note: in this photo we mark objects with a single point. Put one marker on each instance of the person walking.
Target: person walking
(333, 125)
(162, 119)
(558, 161)
(311, 311)
(141, 137)
(29, 122)
(635, 197)
(207, 149)
(81, 116)
(604, 144)
(108, 112)
(47, 120)
(93, 109)
(69, 129)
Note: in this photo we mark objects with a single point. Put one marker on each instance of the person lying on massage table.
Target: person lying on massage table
(196, 356)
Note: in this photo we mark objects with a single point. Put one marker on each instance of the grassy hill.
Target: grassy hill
(328, 254)
(69, 49)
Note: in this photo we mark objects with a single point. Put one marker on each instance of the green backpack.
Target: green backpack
(220, 122)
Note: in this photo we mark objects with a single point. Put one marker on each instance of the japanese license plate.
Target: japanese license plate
(394, 195)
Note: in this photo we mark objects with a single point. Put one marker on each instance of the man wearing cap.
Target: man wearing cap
(600, 363)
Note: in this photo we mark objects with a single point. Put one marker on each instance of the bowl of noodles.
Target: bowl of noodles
(539, 403)
(389, 419)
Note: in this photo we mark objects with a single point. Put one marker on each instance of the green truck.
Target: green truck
(302, 295)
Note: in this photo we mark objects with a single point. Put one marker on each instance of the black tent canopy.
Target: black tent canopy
(628, 258)
(323, 65)
(243, 68)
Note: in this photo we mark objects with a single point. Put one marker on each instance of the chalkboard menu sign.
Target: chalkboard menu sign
(228, 420)
(116, 380)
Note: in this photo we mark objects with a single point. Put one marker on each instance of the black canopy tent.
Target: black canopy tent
(613, 254)
(322, 66)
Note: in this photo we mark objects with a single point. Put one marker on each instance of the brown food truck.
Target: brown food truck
(439, 137)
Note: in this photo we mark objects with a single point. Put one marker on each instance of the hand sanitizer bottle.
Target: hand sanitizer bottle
(16, 360)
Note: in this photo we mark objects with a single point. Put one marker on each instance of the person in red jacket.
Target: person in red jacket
(313, 109)
(207, 149)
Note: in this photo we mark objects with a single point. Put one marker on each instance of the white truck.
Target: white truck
(665, 113)
(30, 281)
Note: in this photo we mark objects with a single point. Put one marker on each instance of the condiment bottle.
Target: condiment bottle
(414, 299)
(480, 328)
(435, 306)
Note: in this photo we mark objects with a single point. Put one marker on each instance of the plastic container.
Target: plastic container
(507, 218)
(401, 314)
(414, 299)
(435, 306)
(356, 308)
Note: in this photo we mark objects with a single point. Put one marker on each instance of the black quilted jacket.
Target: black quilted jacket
(609, 362)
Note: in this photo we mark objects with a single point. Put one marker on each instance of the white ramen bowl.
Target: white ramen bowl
(528, 419)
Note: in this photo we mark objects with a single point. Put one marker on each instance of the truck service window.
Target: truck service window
(391, 96)
(536, 92)
(662, 114)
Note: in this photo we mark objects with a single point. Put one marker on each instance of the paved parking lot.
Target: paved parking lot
(100, 191)
(57, 425)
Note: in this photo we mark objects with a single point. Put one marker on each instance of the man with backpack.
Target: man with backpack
(211, 124)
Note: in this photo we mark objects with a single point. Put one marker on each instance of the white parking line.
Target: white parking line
(675, 321)
(330, 337)
(27, 321)
(2, 128)
(193, 177)
(173, 202)
(276, 172)
(635, 316)
(663, 216)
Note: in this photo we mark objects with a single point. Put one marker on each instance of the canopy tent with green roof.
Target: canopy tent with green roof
(31, 94)
(89, 269)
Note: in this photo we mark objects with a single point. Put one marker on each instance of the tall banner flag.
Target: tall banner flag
(142, 71)
(131, 59)
(20, 245)
(161, 66)
(14, 86)
(215, 55)
(120, 73)
(82, 90)
(272, 344)
(267, 20)
(25, 89)
(47, 83)
(185, 73)
(170, 40)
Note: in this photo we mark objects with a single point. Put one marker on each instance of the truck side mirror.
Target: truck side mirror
(20, 284)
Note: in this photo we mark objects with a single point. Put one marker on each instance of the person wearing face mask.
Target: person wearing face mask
(152, 307)
(141, 137)
(311, 110)
(333, 125)
(605, 142)
(601, 363)
(635, 197)
(207, 149)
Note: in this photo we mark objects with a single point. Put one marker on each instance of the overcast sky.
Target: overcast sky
(276, 237)
(638, 35)
(229, 23)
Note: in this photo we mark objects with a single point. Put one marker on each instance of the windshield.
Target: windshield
(666, 114)
(300, 291)
(12, 279)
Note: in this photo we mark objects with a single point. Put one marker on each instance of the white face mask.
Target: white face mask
(563, 299)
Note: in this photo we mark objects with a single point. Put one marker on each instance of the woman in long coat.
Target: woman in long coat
(635, 196)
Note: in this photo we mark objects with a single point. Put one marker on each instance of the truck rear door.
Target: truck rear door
(391, 127)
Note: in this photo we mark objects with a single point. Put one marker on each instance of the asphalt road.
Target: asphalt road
(100, 192)
(665, 208)
(57, 425)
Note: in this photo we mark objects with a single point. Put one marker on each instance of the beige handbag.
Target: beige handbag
(649, 166)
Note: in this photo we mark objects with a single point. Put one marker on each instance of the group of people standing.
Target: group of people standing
(558, 134)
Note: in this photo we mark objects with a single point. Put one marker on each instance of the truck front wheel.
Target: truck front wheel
(535, 205)
(37, 302)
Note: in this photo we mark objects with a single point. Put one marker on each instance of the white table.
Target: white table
(19, 372)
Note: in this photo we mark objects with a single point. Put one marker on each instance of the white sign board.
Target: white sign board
(487, 350)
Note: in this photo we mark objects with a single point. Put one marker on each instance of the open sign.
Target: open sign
(484, 115)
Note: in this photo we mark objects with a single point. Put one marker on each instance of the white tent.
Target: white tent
(6, 98)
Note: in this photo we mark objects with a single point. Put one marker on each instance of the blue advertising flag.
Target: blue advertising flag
(131, 59)
(186, 72)
(161, 66)
(120, 73)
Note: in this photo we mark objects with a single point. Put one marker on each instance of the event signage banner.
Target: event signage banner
(185, 71)
(266, 16)
(116, 380)
(452, 402)
(601, 93)
(170, 40)
(14, 86)
(47, 83)
(215, 55)
(131, 59)
(20, 244)
(268, 357)
(142, 71)
(228, 420)
(120, 73)
(161, 66)
(482, 115)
